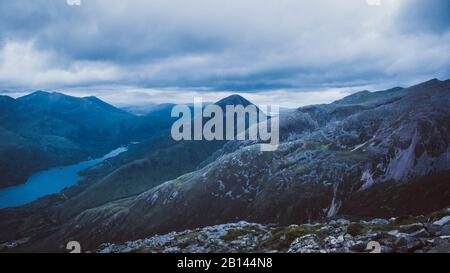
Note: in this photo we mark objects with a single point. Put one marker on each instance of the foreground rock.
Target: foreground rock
(405, 235)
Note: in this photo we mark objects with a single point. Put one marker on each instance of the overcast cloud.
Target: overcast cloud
(294, 51)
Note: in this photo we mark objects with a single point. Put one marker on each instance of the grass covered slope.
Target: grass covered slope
(43, 130)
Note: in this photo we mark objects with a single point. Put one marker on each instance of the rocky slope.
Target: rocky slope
(422, 234)
(369, 155)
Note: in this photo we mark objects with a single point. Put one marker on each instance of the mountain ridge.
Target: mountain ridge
(84, 127)
(333, 159)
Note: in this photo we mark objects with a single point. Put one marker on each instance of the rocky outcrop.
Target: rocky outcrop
(396, 235)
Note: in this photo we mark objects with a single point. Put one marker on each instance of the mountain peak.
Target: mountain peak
(93, 99)
(428, 87)
(434, 80)
(60, 102)
(104, 105)
(429, 83)
(234, 100)
(353, 98)
(39, 94)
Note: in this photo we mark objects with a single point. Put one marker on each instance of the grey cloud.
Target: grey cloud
(251, 46)
(425, 16)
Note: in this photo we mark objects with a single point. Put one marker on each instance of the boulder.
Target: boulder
(343, 222)
(359, 246)
(411, 228)
(378, 221)
(331, 242)
(394, 232)
(408, 243)
(433, 229)
(306, 244)
(445, 231)
(443, 221)
(420, 234)
(440, 246)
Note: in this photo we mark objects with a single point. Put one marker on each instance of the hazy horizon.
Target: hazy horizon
(259, 98)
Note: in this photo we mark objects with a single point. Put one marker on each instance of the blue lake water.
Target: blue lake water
(48, 182)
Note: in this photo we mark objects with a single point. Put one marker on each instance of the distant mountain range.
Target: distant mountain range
(43, 130)
(147, 164)
(371, 154)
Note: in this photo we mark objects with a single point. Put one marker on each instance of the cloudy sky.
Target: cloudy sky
(291, 52)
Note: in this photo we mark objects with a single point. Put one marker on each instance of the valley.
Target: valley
(49, 182)
(370, 155)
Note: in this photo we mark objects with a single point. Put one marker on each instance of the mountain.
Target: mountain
(85, 117)
(140, 110)
(7, 104)
(233, 100)
(369, 155)
(366, 97)
(147, 164)
(155, 159)
(157, 122)
(43, 130)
